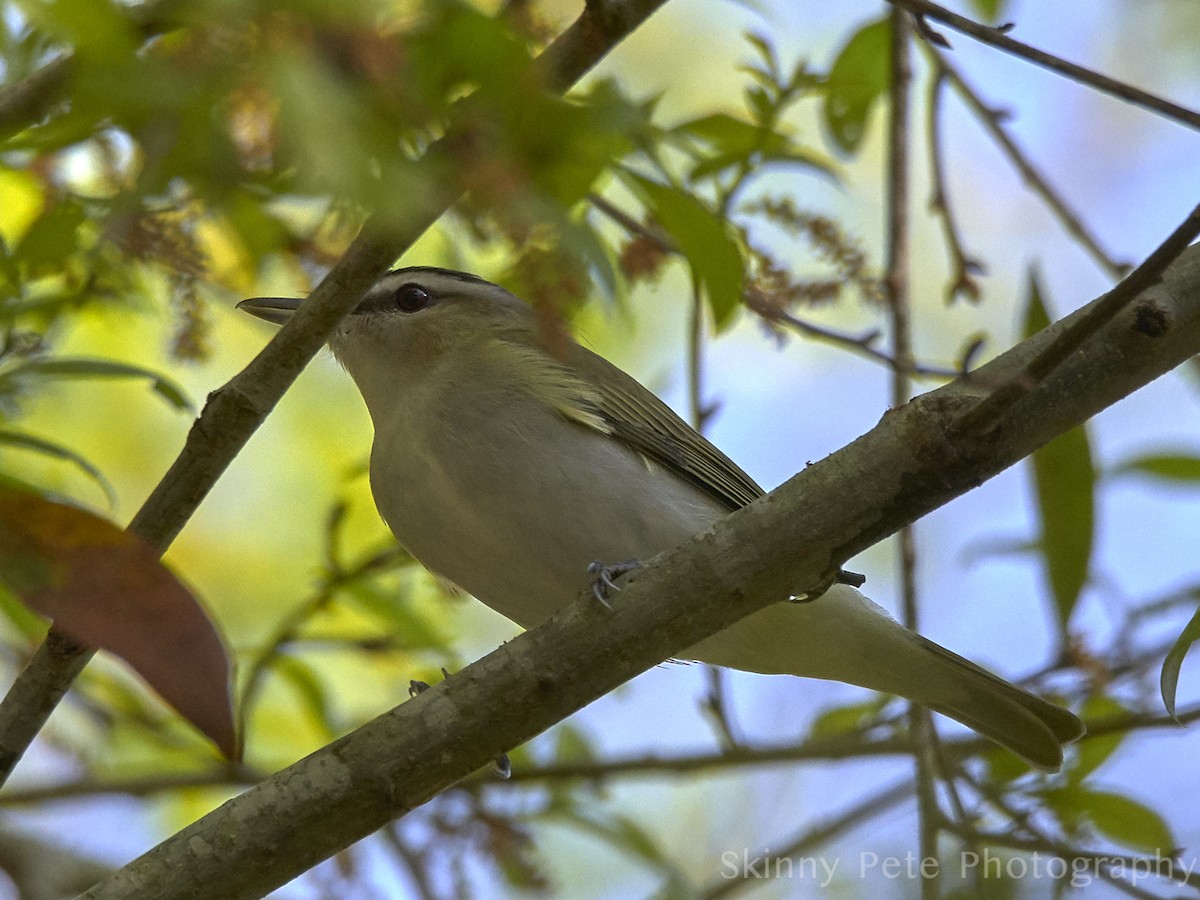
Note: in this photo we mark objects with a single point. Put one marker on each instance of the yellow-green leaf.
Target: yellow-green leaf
(1169, 679)
(1119, 818)
(706, 241)
(1065, 481)
(859, 75)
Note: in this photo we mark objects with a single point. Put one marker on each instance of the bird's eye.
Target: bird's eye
(412, 297)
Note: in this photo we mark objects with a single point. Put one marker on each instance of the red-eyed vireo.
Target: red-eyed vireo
(508, 471)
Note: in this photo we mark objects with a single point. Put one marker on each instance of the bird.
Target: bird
(509, 468)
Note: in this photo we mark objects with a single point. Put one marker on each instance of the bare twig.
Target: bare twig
(1040, 841)
(412, 860)
(998, 38)
(863, 344)
(36, 692)
(814, 837)
(290, 626)
(964, 268)
(716, 704)
(896, 286)
(828, 749)
(993, 121)
(224, 777)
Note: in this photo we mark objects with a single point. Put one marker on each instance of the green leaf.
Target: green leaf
(52, 237)
(705, 239)
(989, 10)
(1004, 766)
(620, 832)
(1090, 754)
(766, 53)
(1065, 481)
(80, 367)
(859, 75)
(737, 142)
(760, 104)
(846, 719)
(385, 603)
(731, 134)
(572, 746)
(1169, 679)
(48, 448)
(809, 159)
(1163, 466)
(1119, 818)
(308, 689)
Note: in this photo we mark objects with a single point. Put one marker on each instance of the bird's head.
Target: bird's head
(410, 322)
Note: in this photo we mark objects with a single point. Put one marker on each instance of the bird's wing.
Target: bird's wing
(633, 414)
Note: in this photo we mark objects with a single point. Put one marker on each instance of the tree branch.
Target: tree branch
(915, 460)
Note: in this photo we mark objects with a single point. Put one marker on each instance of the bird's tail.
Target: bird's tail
(843, 636)
(1026, 724)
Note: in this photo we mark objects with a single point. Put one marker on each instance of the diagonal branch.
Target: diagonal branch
(1100, 313)
(916, 459)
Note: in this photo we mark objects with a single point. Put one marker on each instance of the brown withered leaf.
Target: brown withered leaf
(105, 587)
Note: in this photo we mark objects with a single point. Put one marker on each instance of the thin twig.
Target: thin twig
(963, 266)
(998, 38)
(412, 860)
(716, 704)
(840, 748)
(863, 344)
(993, 122)
(816, 836)
(228, 776)
(896, 285)
(289, 627)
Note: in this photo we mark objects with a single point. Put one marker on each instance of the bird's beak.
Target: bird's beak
(275, 310)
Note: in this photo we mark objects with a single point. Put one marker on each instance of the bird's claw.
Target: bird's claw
(840, 576)
(604, 578)
(854, 579)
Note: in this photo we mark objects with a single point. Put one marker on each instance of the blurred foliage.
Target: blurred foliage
(175, 157)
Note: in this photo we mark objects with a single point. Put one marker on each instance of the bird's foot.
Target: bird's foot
(604, 578)
(841, 576)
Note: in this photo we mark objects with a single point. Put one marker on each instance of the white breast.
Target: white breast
(511, 502)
